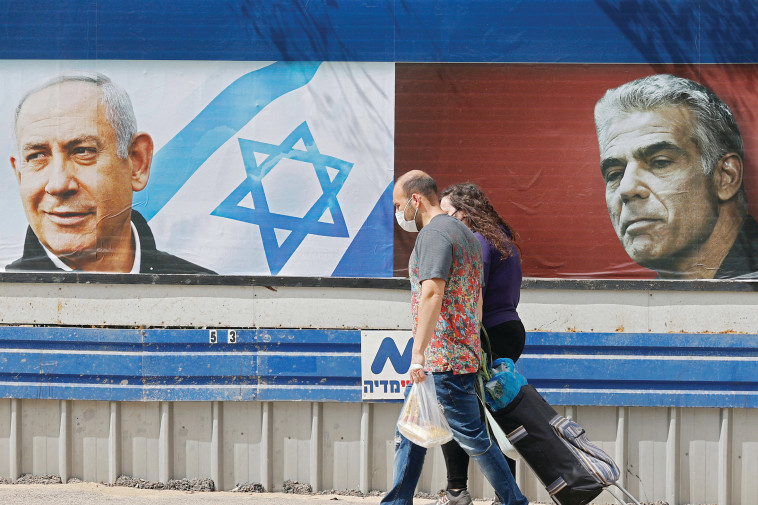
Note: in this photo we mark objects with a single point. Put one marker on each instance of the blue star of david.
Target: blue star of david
(277, 255)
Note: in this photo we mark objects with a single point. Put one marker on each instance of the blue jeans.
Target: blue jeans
(457, 396)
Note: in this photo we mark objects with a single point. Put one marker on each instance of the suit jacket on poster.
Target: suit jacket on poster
(153, 261)
(742, 260)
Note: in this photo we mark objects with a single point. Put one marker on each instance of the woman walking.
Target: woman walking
(502, 287)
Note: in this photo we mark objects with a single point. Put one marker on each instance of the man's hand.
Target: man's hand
(416, 370)
(417, 373)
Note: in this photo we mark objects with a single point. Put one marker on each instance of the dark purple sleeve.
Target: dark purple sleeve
(486, 257)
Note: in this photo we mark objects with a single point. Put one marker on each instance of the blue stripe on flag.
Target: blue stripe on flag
(231, 110)
(370, 254)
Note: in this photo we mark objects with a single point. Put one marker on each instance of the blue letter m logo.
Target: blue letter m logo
(388, 351)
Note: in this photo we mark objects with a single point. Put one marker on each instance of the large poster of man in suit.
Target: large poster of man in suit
(197, 167)
(604, 171)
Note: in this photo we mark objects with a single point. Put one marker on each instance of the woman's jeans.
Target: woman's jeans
(457, 396)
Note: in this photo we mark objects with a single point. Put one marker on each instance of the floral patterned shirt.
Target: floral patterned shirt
(446, 249)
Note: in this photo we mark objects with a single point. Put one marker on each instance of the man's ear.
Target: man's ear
(140, 157)
(15, 170)
(419, 200)
(727, 176)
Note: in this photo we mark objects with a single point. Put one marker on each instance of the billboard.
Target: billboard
(253, 168)
(286, 168)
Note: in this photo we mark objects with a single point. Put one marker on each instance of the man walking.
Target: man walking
(445, 273)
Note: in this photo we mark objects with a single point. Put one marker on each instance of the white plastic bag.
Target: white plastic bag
(502, 440)
(421, 419)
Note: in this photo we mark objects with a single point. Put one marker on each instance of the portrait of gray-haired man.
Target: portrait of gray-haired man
(79, 159)
(672, 159)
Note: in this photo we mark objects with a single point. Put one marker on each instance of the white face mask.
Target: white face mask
(406, 225)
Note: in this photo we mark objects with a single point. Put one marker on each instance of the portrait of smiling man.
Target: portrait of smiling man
(672, 160)
(79, 159)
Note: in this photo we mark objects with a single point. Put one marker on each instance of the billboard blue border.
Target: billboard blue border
(547, 31)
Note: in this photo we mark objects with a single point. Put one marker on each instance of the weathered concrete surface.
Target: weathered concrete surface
(99, 494)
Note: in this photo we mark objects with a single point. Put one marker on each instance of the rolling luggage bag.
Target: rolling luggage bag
(572, 469)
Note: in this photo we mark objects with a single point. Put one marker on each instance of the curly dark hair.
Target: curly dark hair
(481, 216)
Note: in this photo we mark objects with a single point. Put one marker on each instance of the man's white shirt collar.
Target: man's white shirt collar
(137, 255)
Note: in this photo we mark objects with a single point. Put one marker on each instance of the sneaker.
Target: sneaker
(447, 499)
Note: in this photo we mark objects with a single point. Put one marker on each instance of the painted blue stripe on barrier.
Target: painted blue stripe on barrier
(257, 336)
(560, 31)
(647, 369)
(665, 398)
(320, 366)
(691, 370)
(233, 364)
(197, 381)
(310, 394)
(179, 364)
(641, 368)
(678, 342)
(43, 362)
(77, 335)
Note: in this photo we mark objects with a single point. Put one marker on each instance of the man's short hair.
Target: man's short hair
(716, 132)
(422, 184)
(118, 106)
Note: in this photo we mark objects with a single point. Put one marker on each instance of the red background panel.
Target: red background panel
(525, 133)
